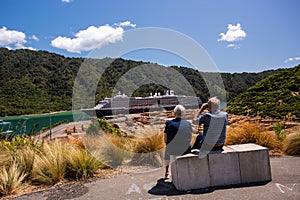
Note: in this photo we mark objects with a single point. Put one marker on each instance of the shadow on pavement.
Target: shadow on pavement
(166, 187)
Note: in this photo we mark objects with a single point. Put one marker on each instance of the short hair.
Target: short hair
(214, 103)
(179, 111)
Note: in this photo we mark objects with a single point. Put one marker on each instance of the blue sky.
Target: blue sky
(239, 35)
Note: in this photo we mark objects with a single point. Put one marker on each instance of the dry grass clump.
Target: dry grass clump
(59, 160)
(50, 166)
(81, 164)
(111, 150)
(25, 158)
(25, 162)
(291, 145)
(150, 144)
(115, 151)
(125, 143)
(149, 151)
(11, 178)
(16, 162)
(251, 133)
(76, 141)
(5, 158)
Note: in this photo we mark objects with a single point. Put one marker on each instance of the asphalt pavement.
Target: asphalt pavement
(149, 185)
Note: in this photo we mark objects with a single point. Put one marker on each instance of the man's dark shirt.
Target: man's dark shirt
(179, 134)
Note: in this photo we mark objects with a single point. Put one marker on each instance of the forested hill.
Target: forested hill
(277, 96)
(39, 81)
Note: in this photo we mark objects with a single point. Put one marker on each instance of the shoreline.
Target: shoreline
(36, 114)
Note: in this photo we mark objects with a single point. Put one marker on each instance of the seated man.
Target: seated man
(178, 135)
(214, 130)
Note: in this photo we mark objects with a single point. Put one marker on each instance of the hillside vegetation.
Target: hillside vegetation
(277, 96)
(39, 81)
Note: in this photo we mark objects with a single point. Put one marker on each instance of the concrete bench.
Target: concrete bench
(236, 164)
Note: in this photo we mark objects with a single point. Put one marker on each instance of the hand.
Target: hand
(205, 105)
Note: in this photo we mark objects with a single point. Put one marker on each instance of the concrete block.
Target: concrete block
(190, 172)
(237, 164)
(254, 163)
(224, 168)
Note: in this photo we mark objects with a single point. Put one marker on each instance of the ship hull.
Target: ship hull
(142, 105)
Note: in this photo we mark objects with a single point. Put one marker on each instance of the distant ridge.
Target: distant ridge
(39, 81)
(277, 96)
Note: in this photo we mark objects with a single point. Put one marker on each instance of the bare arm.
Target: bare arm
(198, 113)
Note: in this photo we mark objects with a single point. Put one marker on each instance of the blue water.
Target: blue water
(27, 124)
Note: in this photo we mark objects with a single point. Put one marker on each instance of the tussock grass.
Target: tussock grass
(81, 164)
(5, 158)
(25, 158)
(150, 144)
(126, 143)
(114, 151)
(151, 158)
(11, 178)
(73, 141)
(291, 145)
(149, 151)
(49, 166)
(111, 150)
(251, 133)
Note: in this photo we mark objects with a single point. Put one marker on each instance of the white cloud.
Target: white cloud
(21, 46)
(33, 37)
(91, 38)
(8, 37)
(13, 37)
(231, 45)
(292, 59)
(8, 47)
(66, 1)
(127, 23)
(234, 33)
(234, 46)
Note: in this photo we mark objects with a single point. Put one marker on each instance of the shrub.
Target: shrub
(291, 145)
(279, 131)
(251, 133)
(102, 124)
(49, 166)
(94, 128)
(17, 142)
(108, 128)
(11, 178)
